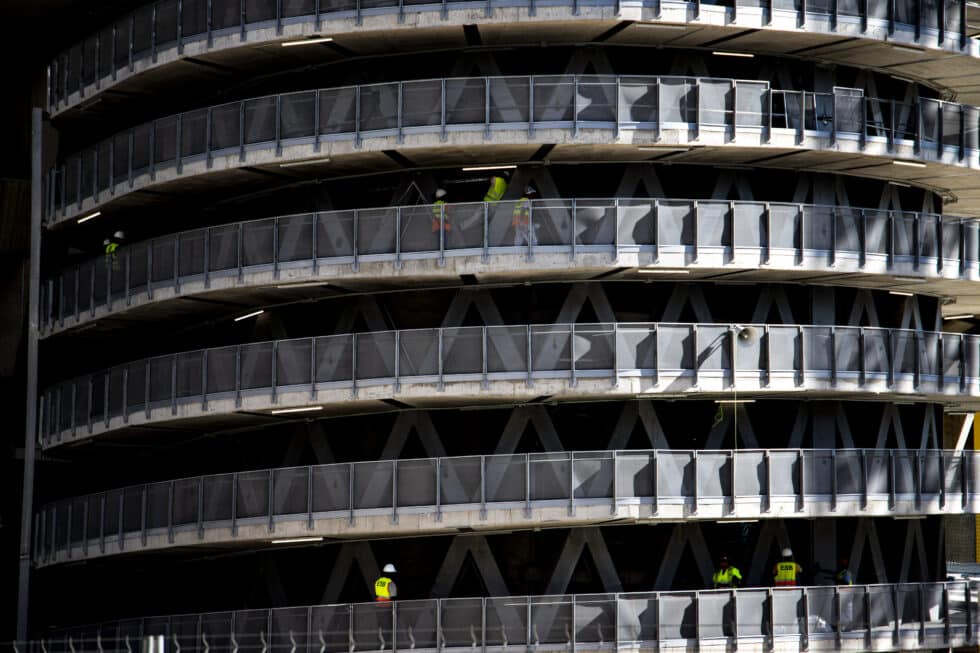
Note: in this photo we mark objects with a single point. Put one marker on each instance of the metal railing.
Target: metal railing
(671, 232)
(169, 25)
(439, 106)
(702, 484)
(883, 617)
(668, 357)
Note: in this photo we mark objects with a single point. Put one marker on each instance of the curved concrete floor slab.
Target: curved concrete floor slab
(844, 38)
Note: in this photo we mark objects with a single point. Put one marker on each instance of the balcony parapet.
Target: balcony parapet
(318, 127)
(164, 35)
(416, 243)
(516, 363)
(885, 617)
(503, 492)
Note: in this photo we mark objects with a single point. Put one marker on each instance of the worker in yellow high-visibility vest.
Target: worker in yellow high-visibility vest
(727, 576)
(498, 187)
(385, 588)
(787, 571)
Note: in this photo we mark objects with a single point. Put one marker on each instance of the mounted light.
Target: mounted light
(908, 279)
(248, 315)
(724, 53)
(661, 271)
(304, 284)
(734, 401)
(746, 335)
(905, 48)
(313, 40)
(297, 540)
(660, 26)
(655, 148)
(305, 162)
(964, 316)
(90, 216)
(909, 164)
(307, 409)
(485, 168)
(901, 293)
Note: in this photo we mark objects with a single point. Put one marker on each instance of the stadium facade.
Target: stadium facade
(723, 308)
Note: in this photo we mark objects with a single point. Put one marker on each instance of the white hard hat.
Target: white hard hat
(105, 242)
(530, 191)
(440, 193)
(787, 552)
(389, 568)
(119, 234)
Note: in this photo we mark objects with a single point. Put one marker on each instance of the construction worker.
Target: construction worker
(786, 570)
(110, 246)
(727, 576)
(844, 576)
(439, 213)
(524, 231)
(385, 588)
(498, 186)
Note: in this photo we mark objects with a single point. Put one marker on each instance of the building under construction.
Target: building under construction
(723, 308)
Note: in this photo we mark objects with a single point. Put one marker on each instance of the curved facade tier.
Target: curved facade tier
(157, 40)
(502, 492)
(581, 235)
(445, 122)
(888, 617)
(516, 363)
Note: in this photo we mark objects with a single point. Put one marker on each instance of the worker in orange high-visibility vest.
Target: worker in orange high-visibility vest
(786, 571)
(524, 231)
(439, 213)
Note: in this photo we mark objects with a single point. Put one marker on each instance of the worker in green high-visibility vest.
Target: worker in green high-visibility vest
(728, 576)
(110, 245)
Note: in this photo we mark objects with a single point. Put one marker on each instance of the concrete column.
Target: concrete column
(30, 419)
